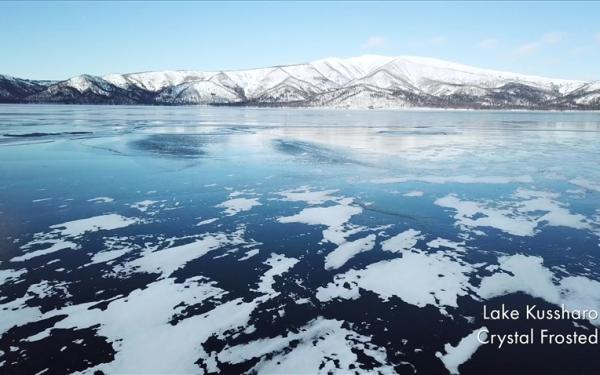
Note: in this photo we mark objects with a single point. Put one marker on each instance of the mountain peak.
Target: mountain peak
(372, 81)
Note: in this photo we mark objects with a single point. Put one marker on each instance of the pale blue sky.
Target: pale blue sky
(57, 40)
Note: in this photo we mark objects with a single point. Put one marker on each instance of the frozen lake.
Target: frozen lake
(206, 240)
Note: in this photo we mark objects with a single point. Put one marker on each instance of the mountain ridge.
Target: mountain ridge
(368, 81)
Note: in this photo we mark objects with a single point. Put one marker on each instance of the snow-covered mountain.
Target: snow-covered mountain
(360, 82)
(16, 89)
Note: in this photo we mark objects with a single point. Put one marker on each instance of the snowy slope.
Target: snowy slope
(198, 92)
(368, 81)
(359, 81)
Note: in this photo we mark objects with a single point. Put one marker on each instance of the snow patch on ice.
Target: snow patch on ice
(335, 218)
(586, 184)
(461, 353)
(171, 348)
(522, 216)
(101, 200)
(344, 252)
(144, 205)
(77, 228)
(106, 256)
(71, 230)
(402, 242)
(417, 278)
(249, 254)
(10, 275)
(525, 179)
(16, 313)
(207, 221)
(304, 194)
(279, 264)
(323, 346)
(236, 205)
(413, 193)
(41, 200)
(167, 261)
(55, 245)
(527, 274)
(442, 242)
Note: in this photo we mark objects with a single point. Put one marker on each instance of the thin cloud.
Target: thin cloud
(375, 42)
(488, 43)
(528, 48)
(580, 50)
(597, 37)
(552, 37)
(438, 39)
(549, 38)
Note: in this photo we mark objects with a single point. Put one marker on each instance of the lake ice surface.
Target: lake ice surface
(231, 240)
